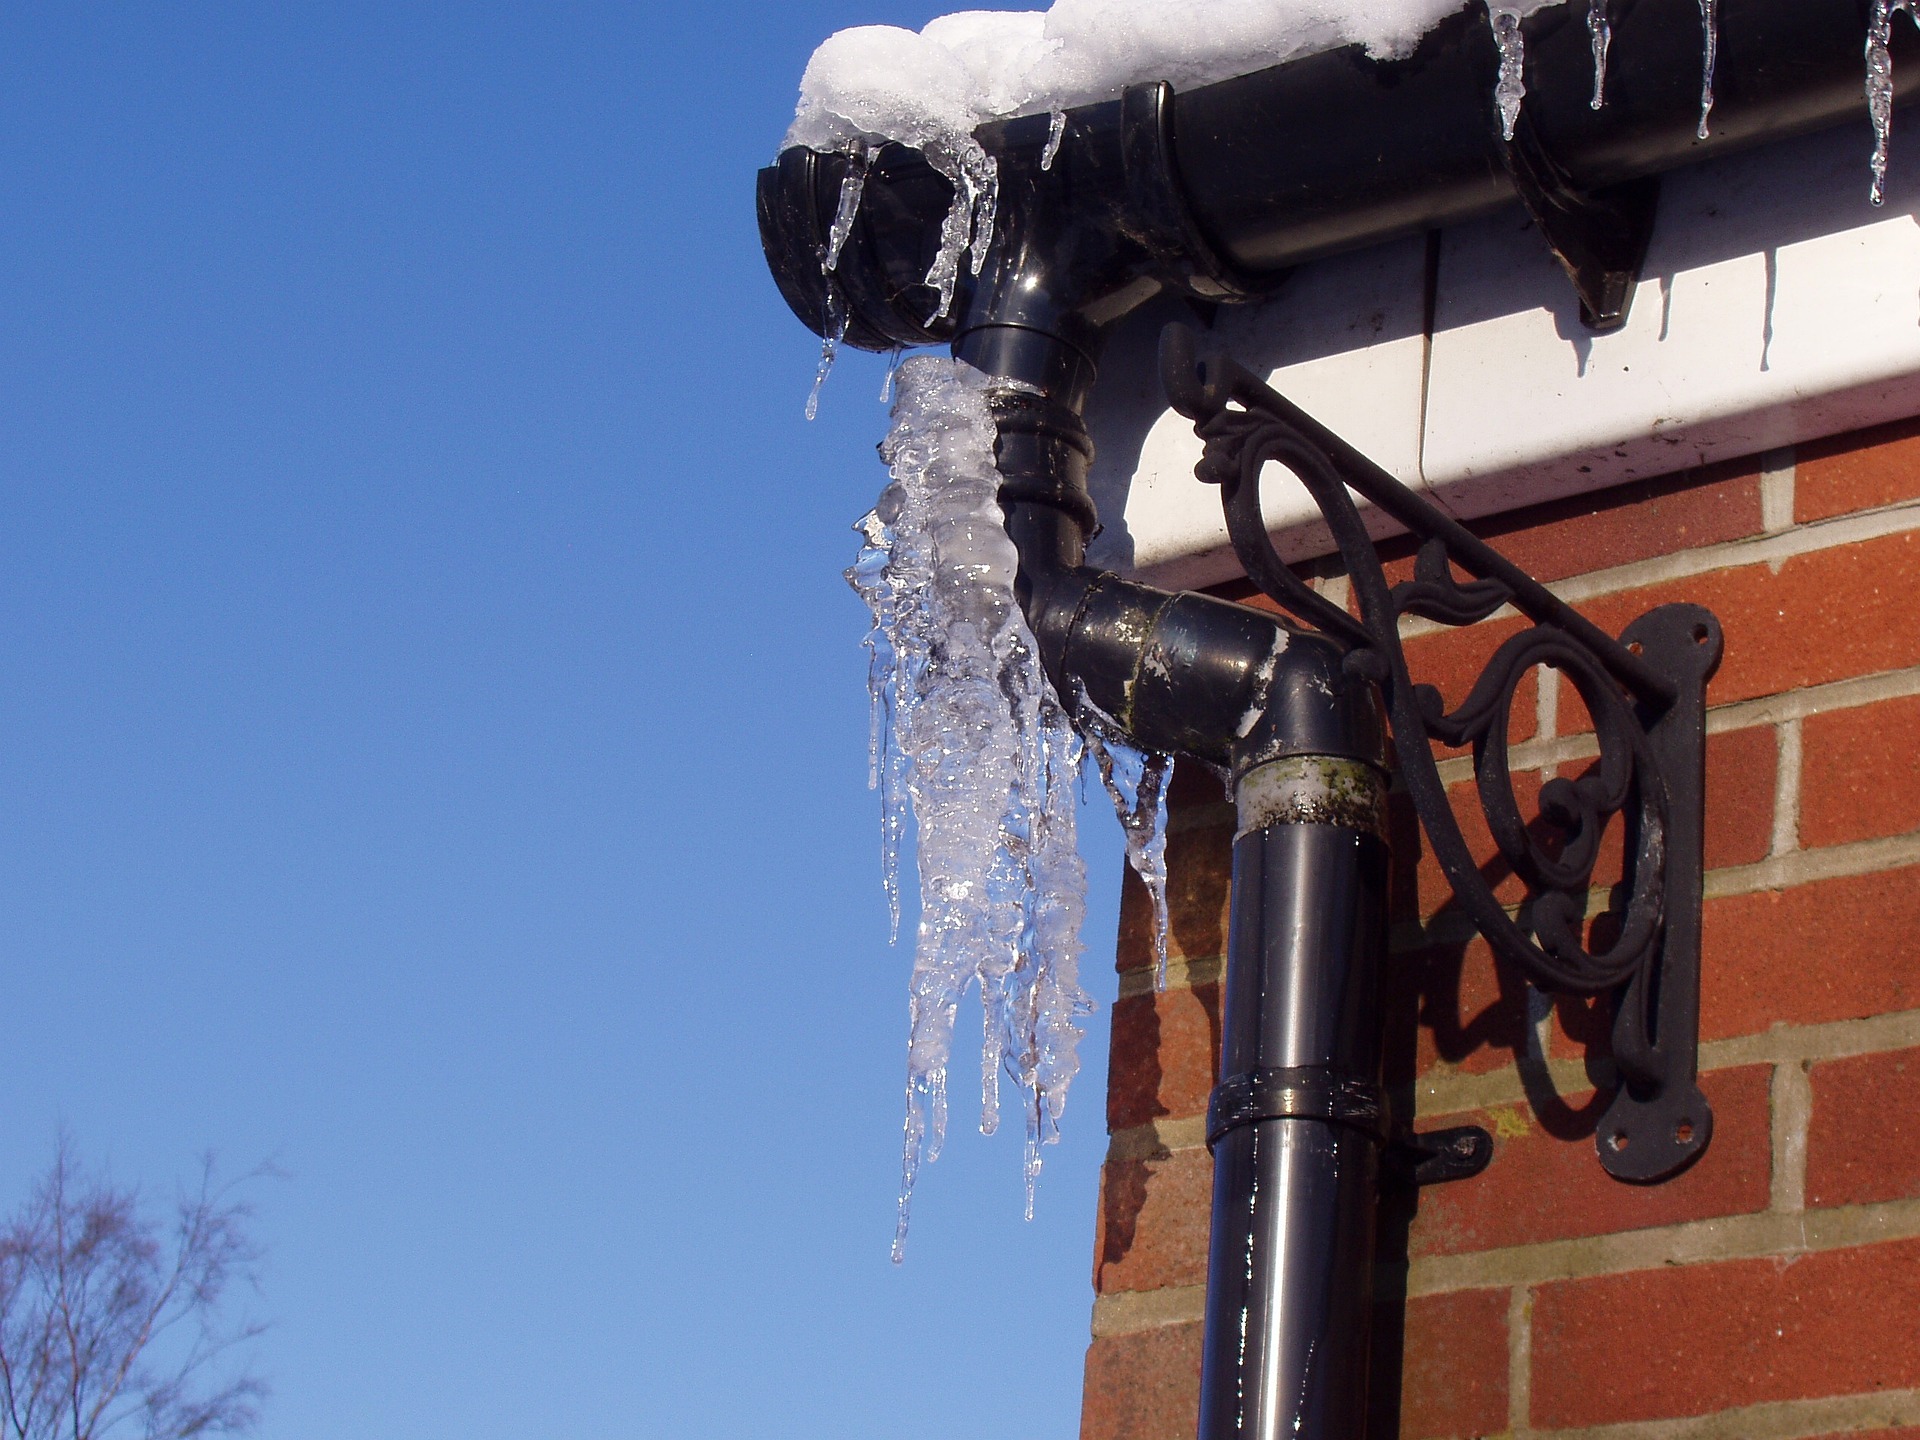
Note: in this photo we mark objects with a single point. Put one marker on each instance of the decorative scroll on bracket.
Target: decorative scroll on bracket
(1645, 692)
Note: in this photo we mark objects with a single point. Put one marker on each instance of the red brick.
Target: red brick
(1154, 1219)
(1454, 1370)
(1864, 1142)
(1742, 766)
(1858, 779)
(1199, 872)
(1835, 950)
(1165, 1054)
(1828, 615)
(1452, 660)
(1691, 1340)
(1143, 1386)
(1619, 525)
(1552, 1155)
(1434, 892)
(1860, 471)
(1450, 1005)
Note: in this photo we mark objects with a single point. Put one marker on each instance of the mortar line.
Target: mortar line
(1440, 1093)
(1786, 790)
(1801, 540)
(1792, 1115)
(1770, 1420)
(1776, 490)
(1774, 709)
(1520, 1360)
(1760, 1236)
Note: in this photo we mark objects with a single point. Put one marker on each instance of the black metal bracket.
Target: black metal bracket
(1600, 237)
(1434, 1157)
(1644, 691)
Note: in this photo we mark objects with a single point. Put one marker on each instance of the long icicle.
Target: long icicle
(1512, 86)
(1880, 89)
(1709, 59)
(1601, 30)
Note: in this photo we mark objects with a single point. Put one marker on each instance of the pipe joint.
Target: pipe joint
(1297, 1092)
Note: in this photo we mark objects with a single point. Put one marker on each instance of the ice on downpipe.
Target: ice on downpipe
(1136, 781)
(1880, 87)
(969, 739)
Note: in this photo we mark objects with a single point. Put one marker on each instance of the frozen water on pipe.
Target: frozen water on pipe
(886, 762)
(1880, 88)
(1601, 29)
(886, 380)
(1512, 86)
(1136, 781)
(971, 739)
(1709, 58)
(836, 328)
(1056, 132)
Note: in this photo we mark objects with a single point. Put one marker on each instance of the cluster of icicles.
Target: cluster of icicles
(968, 227)
(1511, 89)
(971, 742)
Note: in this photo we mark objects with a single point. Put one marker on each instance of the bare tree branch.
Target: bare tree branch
(107, 1332)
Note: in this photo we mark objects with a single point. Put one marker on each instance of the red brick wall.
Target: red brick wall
(1772, 1291)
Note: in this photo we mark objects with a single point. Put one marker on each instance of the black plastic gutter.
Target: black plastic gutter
(1218, 191)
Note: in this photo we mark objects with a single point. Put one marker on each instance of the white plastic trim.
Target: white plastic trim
(1777, 307)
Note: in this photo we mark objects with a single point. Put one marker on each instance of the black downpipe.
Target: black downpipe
(1213, 194)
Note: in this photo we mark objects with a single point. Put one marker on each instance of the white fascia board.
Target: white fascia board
(1344, 338)
(1777, 307)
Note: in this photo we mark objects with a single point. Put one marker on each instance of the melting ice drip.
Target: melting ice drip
(968, 734)
(1136, 781)
(1880, 87)
(1709, 59)
(1601, 29)
(1056, 132)
(1511, 88)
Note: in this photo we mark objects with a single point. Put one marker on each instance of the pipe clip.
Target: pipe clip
(1299, 1092)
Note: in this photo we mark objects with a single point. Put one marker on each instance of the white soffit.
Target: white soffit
(1777, 306)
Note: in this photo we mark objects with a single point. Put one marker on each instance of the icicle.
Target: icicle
(836, 331)
(1512, 88)
(1602, 32)
(1136, 782)
(971, 737)
(1880, 88)
(852, 185)
(886, 380)
(1709, 58)
(975, 177)
(1056, 132)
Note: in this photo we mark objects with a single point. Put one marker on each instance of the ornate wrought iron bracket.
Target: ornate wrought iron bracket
(1600, 237)
(1645, 692)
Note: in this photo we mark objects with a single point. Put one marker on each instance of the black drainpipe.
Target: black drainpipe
(1213, 194)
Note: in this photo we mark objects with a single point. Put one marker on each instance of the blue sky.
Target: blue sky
(432, 730)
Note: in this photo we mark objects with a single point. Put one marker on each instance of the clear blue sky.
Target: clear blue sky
(432, 730)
